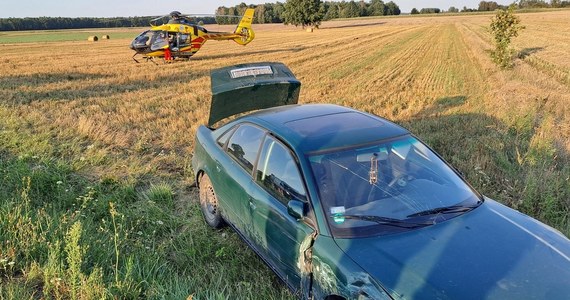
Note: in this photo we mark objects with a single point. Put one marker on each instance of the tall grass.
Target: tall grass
(66, 238)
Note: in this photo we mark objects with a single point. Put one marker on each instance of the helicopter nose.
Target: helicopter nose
(135, 45)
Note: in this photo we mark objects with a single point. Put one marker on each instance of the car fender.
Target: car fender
(201, 159)
(336, 275)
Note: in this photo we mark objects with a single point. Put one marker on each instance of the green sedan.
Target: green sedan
(342, 204)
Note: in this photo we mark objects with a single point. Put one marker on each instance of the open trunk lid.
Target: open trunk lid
(246, 87)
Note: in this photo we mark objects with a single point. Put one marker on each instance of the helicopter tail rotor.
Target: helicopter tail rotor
(244, 28)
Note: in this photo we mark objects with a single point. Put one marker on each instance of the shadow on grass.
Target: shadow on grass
(528, 51)
(473, 142)
(443, 104)
(46, 78)
(501, 161)
(352, 25)
(246, 53)
(22, 97)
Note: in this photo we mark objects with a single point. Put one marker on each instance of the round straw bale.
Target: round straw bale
(93, 38)
(105, 37)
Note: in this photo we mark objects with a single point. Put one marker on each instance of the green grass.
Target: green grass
(59, 36)
(502, 162)
(66, 238)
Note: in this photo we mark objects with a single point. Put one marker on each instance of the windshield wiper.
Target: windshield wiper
(444, 210)
(384, 221)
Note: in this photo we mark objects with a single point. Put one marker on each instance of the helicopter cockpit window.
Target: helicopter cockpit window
(183, 39)
(160, 39)
(143, 40)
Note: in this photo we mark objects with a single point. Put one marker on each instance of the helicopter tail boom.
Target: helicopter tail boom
(244, 29)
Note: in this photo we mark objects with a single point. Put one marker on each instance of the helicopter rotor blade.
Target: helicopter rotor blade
(211, 15)
(153, 22)
(158, 18)
(230, 16)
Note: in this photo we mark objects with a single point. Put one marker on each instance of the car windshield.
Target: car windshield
(377, 189)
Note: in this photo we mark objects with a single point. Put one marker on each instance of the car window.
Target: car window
(225, 136)
(244, 145)
(400, 180)
(278, 173)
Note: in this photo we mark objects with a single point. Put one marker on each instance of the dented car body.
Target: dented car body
(342, 204)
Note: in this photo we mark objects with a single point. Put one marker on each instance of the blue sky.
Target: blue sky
(114, 8)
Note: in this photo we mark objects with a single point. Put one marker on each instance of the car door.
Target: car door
(233, 174)
(276, 234)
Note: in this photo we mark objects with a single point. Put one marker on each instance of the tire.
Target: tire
(209, 203)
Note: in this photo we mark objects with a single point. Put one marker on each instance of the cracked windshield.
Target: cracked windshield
(393, 185)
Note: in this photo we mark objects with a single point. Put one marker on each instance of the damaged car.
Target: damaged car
(343, 204)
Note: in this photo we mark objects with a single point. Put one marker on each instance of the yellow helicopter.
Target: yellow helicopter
(180, 38)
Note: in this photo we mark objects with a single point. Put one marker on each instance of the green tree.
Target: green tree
(240, 9)
(259, 15)
(465, 9)
(430, 10)
(504, 26)
(221, 13)
(332, 12)
(453, 9)
(488, 6)
(278, 11)
(414, 11)
(392, 9)
(363, 7)
(533, 4)
(232, 12)
(303, 12)
(376, 8)
(351, 10)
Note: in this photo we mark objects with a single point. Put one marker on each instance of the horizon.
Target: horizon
(110, 9)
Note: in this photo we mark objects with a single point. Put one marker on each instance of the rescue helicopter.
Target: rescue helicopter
(180, 38)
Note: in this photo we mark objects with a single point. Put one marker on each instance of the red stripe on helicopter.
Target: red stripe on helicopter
(198, 40)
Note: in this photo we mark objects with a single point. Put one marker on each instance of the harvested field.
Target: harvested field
(122, 126)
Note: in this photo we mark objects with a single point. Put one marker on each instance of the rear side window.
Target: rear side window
(244, 145)
(224, 138)
(278, 173)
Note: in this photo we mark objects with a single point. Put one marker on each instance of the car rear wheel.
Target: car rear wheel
(209, 203)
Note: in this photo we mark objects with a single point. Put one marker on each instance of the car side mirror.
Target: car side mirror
(296, 209)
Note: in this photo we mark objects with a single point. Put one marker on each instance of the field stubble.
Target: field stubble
(88, 126)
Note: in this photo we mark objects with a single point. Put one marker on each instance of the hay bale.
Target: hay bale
(309, 29)
(105, 37)
(93, 38)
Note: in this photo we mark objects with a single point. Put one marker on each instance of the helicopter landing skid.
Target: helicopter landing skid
(147, 58)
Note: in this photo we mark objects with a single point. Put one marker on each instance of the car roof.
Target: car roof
(321, 127)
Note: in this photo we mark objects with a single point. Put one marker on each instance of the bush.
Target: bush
(504, 26)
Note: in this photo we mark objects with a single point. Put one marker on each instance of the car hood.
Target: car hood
(490, 252)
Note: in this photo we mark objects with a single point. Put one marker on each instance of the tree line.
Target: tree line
(44, 23)
(264, 13)
(280, 12)
(492, 5)
(49, 23)
(277, 12)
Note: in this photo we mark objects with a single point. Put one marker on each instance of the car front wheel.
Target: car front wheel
(209, 203)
